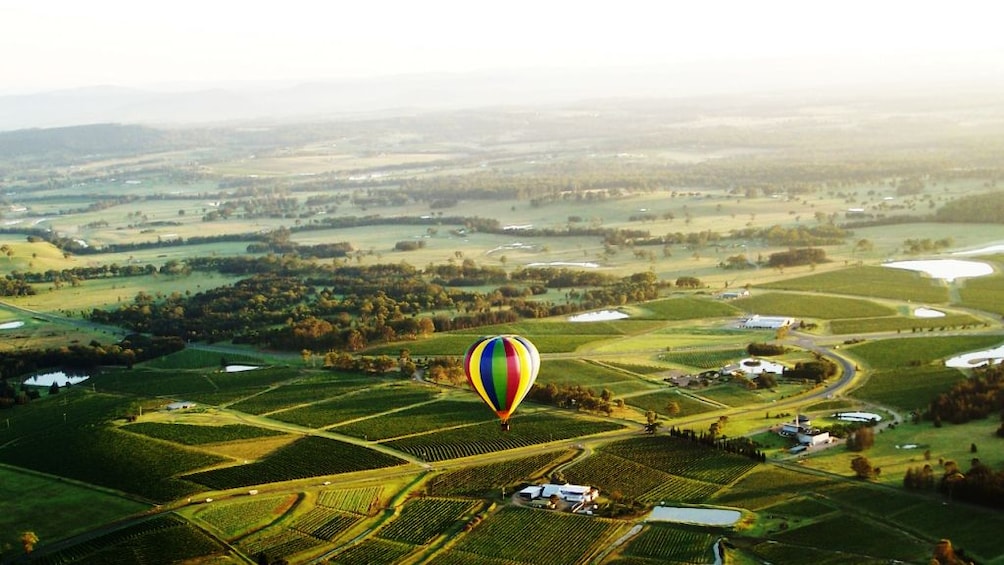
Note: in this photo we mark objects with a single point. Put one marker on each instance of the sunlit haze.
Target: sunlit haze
(68, 44)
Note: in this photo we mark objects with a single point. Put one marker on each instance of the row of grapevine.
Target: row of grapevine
(537, 537)
(354, 405)
(679, 489)
(422, 519)
(189, 434)
(417, 419)
(287, 396)
(160, 540)
(705, 358)
(476, 481)
(278, 543)
(363, 500)
(613, 474)
(683, 457)
(373, 551)
(486, 438)
(307, 457)
(324, 523)
(237, 518)
(676, 544)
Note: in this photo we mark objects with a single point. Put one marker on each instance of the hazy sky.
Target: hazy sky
(71, 43)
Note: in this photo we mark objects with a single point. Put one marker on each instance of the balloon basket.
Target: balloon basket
(505, 426)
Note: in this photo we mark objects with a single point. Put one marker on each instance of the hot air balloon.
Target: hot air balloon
(501, 369)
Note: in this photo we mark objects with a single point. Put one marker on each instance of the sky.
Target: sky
(58, 44)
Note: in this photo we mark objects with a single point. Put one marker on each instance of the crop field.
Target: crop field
(857, 536)
(658, 402)
(683, 308)
(673, 544)
(775, 552)
(705, 358)
(363, 500)
(289, 395)
(878, 282)
(60, 516)
(150, 382)
(908, 352)
(487, 438)
(236, 518)
(977, 530)
(188, 434)
(636, 368)
(423, 519)
(373, 551)
(733, 395)
(908, 388)
(504, 536)
(417, 419)
(538, 329)
(491, 478)
(571, 372)
(984, 293)
(457, 344)
(354, 405)
(308, 457)
(160, 540)
(811, 306)
(901, 324)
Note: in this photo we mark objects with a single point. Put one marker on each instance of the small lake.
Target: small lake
(240, 368)
(977, 358)
(928, 313)
(945, 269)
(700, 516)
(11, 325)
(857, 416)
(601, 316)
(46, 379)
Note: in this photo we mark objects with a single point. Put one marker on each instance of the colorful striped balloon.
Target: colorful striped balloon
(501, 369)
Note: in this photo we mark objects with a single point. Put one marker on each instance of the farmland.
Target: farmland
(355, 453)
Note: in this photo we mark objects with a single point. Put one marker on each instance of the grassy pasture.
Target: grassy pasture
(900, 324)
(906, 352)
(534, 329)
(811, 306)
(767, 486)
(908, 388)
(457, 344)
(733, 395)
(658, 402)
(683, 308)
(857, 536)
(60, 516)
(191, 358)
(984, 293)
(878, 282)
(570, 372)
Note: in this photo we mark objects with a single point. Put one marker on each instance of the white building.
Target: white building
(572, 494)
(813, 437)
(756, 321)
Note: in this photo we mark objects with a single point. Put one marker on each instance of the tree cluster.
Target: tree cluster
(797, 257)
(739, 445)
(766, 349)
(572, 396)
(973, 398)
(816, 371)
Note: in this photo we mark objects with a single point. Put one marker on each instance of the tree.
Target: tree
(28, 541)
(53, 388)
(673, 408)
(652, 422)
(862, 467)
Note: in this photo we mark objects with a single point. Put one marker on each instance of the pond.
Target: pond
(857, 416)
(946, 269)
(240, 368)
(977, 358)
(46, 379)
(11, 325)
(699, 516)
(928, 313)
(601, 316)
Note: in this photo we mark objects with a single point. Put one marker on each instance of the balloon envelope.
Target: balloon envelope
(501, 369)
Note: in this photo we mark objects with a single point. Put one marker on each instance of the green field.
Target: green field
(417, 419)
(684, 308)
(906, 388)
(573, 372)
(659, 402)
(984, 293)
(195, 435)
(903, 324)
(811, 306)
(359, 404)
(918, 351)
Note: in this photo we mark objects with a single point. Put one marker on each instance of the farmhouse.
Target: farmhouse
(800, 424)
(756, 321)
(752, 367)
(572, 494)
(734, 294)
(181, 405)
(813, 437)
